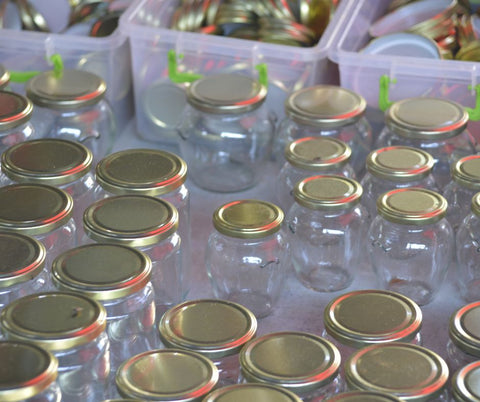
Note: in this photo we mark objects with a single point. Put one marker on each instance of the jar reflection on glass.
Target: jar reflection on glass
(307, 157)
(326, 111)
(438, 126)
(72, 328)
(326, 228)
(411, 243)
(32, 382)
(247, 254)
(465, 383)
(72, 106)
(226, 134)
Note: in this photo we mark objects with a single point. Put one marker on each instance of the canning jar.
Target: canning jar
(368, 317)
(303, 363)
(28, 373)
(150, 225)
(395, 167)
(71, 105)
(119, 278)
(41, 211)
(438, 126)
(60, 163)
(71, 327)
(251, 392)
(152, 172)
(326, 226)
(15, 119)
(410, 242)
(173, 375)
(226, 134)
(22, 267)
(465, 383)
(4, 77)
(217, 329)
(363, 396)
(247, 254)
(307, 157)
(326, 111)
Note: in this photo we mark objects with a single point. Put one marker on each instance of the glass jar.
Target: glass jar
(217, 329)
(307, 157)
(150, 225)
(363, 396)
(395, 167)
(247, 254)
(156, 173)
(4, 77)
(119, 278)
(71, 327)
(251, 392)
(309, 364)
(226, 134)
(438, 126)
(411, 243)
(465, 383)
(326, 111)
(41, 211)
(410, 372)
(368, 317)
(28, 373)
(15, 119)
(464, 185)
(463, 345)
(71, 105)
(326, 225)
(60, 163)
(149, 375)
(22, 267)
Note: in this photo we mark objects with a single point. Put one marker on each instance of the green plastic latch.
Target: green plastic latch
(262, 74)
(383, 102)
(24, 76)
(474, 114)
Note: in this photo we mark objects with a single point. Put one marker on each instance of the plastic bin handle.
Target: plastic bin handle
(24, 76)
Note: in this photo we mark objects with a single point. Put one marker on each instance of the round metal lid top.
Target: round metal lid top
(15, 109)
(464, 329)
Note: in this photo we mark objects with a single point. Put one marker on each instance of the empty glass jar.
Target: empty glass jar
(247, 254)
(411, 243)
(326, 111)
(326, 228)
(226, 134)
(71, 105)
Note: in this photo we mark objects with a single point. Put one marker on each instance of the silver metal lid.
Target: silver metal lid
(466, 383)
(226, 93)
(70, 89)
(49, 161)
(15, 109)
(251, 392)
(325, 106)
(405, 370)
(428, 119)
(466, 172)
(4, 76)
(464, 328)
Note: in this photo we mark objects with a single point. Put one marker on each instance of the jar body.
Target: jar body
(250, 272)
(410, 259)
(15, 135)
(34, 285)
(325, 246)
(459, 200)
(226, 152)
(50, 394)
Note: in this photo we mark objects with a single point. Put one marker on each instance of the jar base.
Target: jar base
(329, 278)
(418, 291)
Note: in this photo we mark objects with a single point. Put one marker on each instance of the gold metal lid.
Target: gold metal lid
(167, 375)
(141, 171)
(131, 220)
(367, 317)
(476, 204)
(15, 109)
(54, 320)
(318, 154)
(214, 328)
(400, 163)
(464, 328)
(248, 219)
(26, 370)
(102, 271)
(326, 106)
(23, 258)
(466, 172)
(466, 383)
(71, 89)
(251, 392)
(298, 361)
(405, 370)
(33, 209)
(48, 161)
(327, 192)
(429, 119)
(412, 206)
(363, 396)
(226, 93)
(4, 76)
